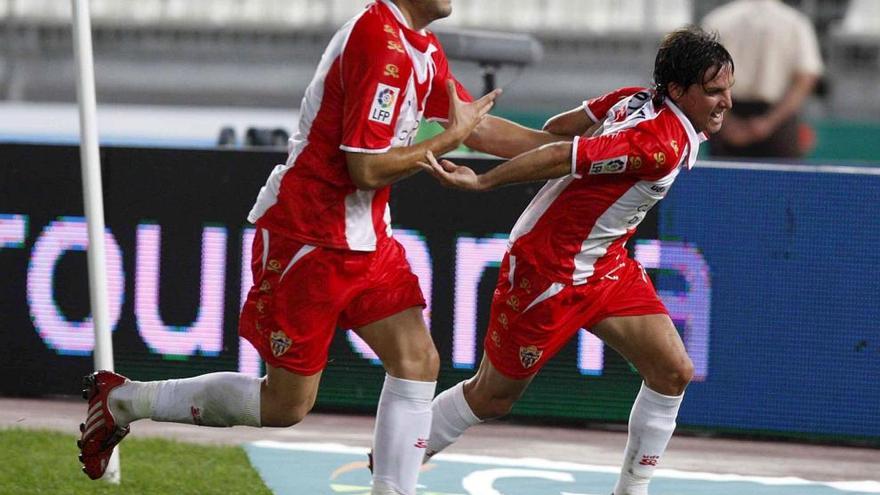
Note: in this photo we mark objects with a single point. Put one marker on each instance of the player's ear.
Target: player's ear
(675, 91)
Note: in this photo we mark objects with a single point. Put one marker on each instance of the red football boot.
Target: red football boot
(100, 433)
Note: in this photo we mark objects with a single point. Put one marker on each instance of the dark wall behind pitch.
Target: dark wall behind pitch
(770, 276)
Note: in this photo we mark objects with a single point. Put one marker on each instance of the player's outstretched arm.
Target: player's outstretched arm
(550, 161)
(501, 137)
(373, 171)
(574, 122)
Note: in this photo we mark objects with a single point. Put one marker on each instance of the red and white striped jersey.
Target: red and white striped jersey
(375, 81)
(576, 227)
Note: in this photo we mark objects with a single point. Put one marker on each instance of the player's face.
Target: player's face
(705, 104)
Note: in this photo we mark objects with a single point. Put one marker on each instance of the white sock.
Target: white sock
(215, 399)
(403, 422)
(651, 424)
(452, 415)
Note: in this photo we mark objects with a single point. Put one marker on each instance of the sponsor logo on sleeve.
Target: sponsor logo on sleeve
(395, 46)
(610, 166)
(392, 70)
(660, 158)
(383, 104)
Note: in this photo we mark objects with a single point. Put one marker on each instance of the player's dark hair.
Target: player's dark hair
(687, 56)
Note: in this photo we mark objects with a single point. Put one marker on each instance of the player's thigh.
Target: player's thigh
(652, 344)
(404, 345)
(286, 397)
(490, 393)
(388, 316)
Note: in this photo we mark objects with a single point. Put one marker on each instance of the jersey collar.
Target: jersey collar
(399, 16)
(694, 138)
(415, 41)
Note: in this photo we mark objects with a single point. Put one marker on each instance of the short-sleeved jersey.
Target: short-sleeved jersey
(375, 82)
(576, 227)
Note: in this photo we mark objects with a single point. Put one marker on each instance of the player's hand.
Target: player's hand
(761, 127)
(735, 132)
(464, 117)
(450, 174)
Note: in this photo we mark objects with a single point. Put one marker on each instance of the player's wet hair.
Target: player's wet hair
(689, 56)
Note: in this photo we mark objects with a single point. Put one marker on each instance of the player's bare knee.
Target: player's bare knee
(672, 380)
(422, 364)
(683, 373)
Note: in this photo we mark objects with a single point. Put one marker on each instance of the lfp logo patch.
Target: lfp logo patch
(383, 103)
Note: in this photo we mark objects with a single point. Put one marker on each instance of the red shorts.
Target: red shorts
(302, 293)
(532, 317)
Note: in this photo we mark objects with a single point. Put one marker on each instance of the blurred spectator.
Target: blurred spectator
(263, 136)
(778, 64)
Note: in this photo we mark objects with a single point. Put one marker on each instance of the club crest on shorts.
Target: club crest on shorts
(280, 343)
(530, 355)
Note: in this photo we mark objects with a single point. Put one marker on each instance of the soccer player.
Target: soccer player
(324, 256)
(566, 265)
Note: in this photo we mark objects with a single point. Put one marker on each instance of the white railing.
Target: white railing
(568, 16)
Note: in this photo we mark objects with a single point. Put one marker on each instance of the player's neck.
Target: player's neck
(412, 15)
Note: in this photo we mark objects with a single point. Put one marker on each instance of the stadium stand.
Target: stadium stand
(261, 53)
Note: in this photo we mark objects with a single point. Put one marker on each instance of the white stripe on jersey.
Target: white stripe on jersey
(539, 204)
(304, 250)
(512, 261)
(368, 151)
(387, 218)
(265, 256)
(309, 107)
(555, 288)
(359, 230)
(626, 213)
(693, 136)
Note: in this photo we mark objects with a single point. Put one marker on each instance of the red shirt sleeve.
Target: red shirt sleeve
(598, 107)
(437, 107)
(635, 152)
(374, 70)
